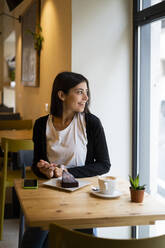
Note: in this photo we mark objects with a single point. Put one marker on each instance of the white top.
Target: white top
(69, 146)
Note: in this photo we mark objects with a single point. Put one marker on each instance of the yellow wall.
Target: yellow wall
(55, 56)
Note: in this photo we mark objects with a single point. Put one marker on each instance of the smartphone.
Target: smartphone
(30, 184)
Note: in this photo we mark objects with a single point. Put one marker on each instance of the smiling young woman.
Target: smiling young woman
(69, 138)
(70, 135)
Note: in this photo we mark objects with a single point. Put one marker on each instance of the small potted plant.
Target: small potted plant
(137, 191)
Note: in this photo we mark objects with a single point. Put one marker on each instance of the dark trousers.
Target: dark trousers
(87, 231)
(34, 237)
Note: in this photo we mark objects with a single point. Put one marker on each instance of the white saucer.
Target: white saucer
(98, 193)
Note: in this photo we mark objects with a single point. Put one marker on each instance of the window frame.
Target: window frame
(140, 17)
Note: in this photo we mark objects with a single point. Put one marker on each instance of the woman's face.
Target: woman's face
(76, 98)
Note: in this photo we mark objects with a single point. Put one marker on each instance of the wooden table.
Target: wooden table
(81, 209)
(16, 134)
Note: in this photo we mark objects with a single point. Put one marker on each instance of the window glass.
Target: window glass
(148, 3)
(152, 106)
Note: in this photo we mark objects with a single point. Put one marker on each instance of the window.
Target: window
(149, 98)
(148, 3)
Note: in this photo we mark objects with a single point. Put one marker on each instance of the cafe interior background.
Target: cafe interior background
(94, 38)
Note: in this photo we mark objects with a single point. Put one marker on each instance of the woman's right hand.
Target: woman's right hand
(46, 168)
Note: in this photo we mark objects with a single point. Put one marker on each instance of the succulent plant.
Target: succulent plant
(135, 183)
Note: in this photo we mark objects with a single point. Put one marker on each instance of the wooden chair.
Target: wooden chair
(7, 175)
(64, 238)
(15, 124)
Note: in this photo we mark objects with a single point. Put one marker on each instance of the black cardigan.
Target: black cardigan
(97, 159)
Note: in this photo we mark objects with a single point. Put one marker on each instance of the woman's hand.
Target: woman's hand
(58, 170)
(46, 168)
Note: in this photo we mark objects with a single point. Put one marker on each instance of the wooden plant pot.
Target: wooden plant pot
(137, 195)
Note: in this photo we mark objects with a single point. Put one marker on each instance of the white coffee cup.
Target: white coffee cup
(107, 184)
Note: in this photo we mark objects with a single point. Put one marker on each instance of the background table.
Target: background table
(81, 209)
(16, 134)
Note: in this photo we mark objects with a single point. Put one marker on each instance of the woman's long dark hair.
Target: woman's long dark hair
(64, 81)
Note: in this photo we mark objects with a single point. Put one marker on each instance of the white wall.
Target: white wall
(9, 97)
(101, 50)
